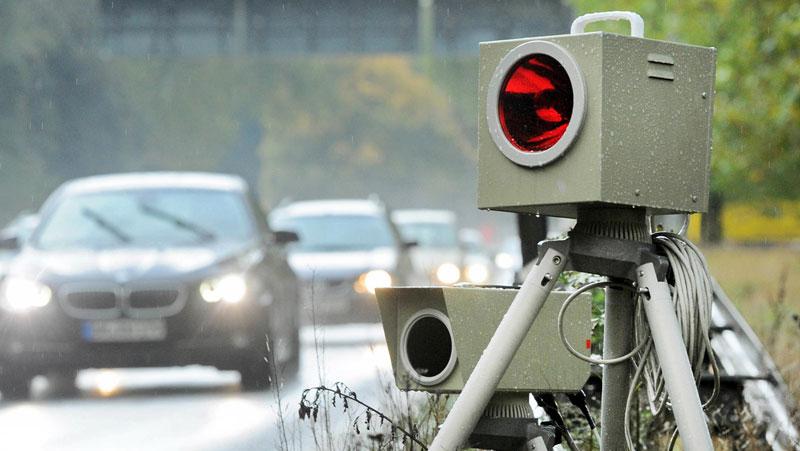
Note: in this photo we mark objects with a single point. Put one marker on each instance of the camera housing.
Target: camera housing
(594, 119)
(436, 335)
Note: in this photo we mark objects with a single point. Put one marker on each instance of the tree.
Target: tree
(60, 118)
(327, 127)
(353, 126)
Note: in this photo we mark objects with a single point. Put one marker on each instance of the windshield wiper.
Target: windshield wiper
(104, 224)
(181, 223)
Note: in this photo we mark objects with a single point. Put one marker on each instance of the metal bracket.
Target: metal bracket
(510, 434)
(609, 257)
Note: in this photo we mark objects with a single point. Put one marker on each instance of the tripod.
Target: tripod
(612, 242)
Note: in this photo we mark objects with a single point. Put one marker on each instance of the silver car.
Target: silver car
(438, 250)
(347, 249)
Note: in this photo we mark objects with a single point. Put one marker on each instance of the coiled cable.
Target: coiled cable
(692, 295)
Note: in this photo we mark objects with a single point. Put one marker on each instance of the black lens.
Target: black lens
(428, 346)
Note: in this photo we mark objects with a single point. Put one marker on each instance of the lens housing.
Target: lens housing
(535, 103)
(427, 347)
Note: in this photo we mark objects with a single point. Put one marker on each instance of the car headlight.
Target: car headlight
(21, 294)
(504, 260)
(477, 273)
(230, 288)
(448, 273)
(372, 280)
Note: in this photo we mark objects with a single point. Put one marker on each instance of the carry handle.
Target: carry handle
(637, 23)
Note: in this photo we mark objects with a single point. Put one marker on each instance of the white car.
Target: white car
(508, 261)
(438, 251)
(347, 249)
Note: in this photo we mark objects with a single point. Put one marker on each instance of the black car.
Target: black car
(154, 269)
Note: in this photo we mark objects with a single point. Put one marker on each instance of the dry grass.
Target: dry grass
(764, 283)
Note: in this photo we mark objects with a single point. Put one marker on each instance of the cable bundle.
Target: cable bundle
(692, 295)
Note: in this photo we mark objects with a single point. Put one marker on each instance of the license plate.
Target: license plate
(122, 330)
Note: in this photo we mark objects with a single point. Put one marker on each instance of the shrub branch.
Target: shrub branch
(309, 408)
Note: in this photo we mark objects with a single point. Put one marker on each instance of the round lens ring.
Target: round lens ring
(535, 103)
(427, 349)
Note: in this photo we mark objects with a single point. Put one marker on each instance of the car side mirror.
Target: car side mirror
(285, 236)
(10, 243)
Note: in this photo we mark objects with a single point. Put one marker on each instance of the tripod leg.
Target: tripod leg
(501, 350)
(671, 352)
(617, 341)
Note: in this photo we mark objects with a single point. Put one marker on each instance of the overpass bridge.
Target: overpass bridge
(202, 28)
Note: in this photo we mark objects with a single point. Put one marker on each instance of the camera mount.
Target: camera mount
(610, 130)
(601, 245)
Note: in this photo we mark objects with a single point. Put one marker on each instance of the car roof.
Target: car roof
(423, 215)
(330, 207)
(148, 180)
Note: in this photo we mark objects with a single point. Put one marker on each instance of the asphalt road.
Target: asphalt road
(195, 408)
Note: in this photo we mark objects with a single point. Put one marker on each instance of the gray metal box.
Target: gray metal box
(645, 137)
(542, 363)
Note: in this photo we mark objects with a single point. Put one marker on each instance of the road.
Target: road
(195, 408)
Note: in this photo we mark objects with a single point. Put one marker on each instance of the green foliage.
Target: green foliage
(334, 127)
(351, 126)
(757, 105)
(60, 117)
(457, 77)
(185, 112)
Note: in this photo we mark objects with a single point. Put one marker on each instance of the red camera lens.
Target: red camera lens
(535, 103)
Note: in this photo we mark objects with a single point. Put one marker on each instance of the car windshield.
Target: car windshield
(430, 234)
(146, 218)
(336, 233)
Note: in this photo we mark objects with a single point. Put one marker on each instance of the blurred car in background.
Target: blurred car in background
(477, 256)
(508, 261)
(13, 235)
(438, 252)
(508, 258)
(347, 249)
(153, 269)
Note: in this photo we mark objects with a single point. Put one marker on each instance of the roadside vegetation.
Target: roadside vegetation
(763, 282)
(760, 280)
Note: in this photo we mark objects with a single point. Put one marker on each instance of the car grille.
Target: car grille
(95, 302)
(92, 300)
(152, 299)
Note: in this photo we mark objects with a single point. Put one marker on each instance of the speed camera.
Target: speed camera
(436, 336)
(594, 119)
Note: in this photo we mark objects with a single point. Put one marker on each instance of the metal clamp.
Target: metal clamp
(636, 21)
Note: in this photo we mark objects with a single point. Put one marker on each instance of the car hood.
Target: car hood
(129, 264)
(329, 265)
